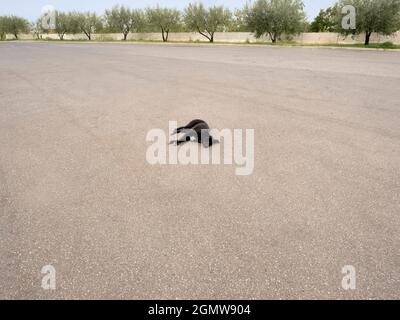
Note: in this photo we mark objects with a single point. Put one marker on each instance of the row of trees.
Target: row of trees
(381, 16)
(279, 16)
(12, 25)
(262, 17)
(121, 19)
(72, 22)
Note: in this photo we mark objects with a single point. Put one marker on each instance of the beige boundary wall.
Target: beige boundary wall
(234, 37)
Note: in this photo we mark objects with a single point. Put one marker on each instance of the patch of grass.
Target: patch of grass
(284, 43)
(385, 45)
(389, 45)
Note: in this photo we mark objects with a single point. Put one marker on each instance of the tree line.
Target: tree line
(272, 18)
(380, 16)
(12, 25)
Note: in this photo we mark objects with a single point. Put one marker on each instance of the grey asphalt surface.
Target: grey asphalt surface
(77, 192)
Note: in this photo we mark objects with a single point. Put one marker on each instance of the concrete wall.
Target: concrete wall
(304, 38)
(325, 38)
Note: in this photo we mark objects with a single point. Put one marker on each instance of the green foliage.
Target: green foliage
(124, 20)
(87, 23)
(326, 21)
(63, 24)
(380, 16)
(238, 22)
(164, 19)
(13, 25)
(306, 26)
(3, 27)
(206, 21)
(388, 45)
(275, 17)
(36, 28)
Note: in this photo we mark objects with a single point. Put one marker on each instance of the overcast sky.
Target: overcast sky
(31, 9)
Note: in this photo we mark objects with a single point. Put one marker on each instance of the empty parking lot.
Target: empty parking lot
(77, 193)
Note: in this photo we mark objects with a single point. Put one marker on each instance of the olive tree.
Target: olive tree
(206, 21)
(87, 23)
(37, 28)
(3, 27)
(381, 16)
(164, 19)
(275, 17)
(13, 25)
(124, 20)
(326, 21)
(63, 23)
(238, 23)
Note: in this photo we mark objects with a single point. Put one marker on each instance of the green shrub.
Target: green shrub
(388, 45)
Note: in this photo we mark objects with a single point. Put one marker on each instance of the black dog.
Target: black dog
(196, 130)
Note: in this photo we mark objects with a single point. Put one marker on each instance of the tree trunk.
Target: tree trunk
(367, 38)
(166, 36)
(210, 37)
(87, 34)
(125, 36)
(163, 35)
(16, 36)
(272, 36)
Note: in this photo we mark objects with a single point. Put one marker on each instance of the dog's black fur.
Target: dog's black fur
(197, 129)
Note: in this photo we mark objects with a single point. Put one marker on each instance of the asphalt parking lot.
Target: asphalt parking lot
(77, 193)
